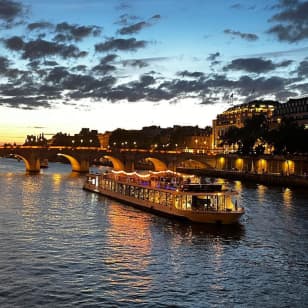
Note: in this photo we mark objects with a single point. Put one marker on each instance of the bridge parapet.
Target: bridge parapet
(81, 157)
(126, 159)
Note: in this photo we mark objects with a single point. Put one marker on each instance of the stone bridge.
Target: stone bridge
(80, 158)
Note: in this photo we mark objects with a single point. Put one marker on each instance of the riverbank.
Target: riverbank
(267, 179)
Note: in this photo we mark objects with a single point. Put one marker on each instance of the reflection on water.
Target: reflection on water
(191, 230)
(238, 186)
(261, 193)
(67, 247)
(137, 236)
(287, 197)
(129, 243)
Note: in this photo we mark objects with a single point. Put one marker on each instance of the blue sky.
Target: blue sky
(67, 64)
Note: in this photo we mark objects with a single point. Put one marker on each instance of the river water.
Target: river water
(61, 246)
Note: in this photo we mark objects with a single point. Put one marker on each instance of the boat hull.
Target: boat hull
(210, 217)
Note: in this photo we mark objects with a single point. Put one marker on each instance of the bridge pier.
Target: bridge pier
(81, 165)
(129, 165)
(31, 161)
(84, 166)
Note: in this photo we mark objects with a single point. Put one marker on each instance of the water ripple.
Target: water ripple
(65, 247)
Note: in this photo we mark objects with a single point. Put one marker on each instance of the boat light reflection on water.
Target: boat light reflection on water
(134, 226)
(287, 197)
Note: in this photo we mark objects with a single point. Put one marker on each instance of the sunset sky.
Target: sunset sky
(104, 64)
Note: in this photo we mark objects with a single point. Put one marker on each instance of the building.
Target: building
(36, 140)
(201, 143)
(236, 116)
(295, 109)
(86, 138)
(104, 139)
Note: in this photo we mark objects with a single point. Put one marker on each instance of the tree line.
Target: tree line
(286, 138)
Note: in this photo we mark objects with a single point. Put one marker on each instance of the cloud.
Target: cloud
(4, 64)
(41, 48)
(104, 66)
(76, 32)
(14, 43)
(255, 65)
(56, 75)
(292, 21)
(146, 80)
(109, 58)
(190, 74)
(156, 17)
(130, 44)
(123, 6)
(135, 62)
(240, 6)
(144, 62)
(50, 63)
(213, 56)
(40, 88)
(281, 52)
(49, 75)
(79, 68)
(11, 12)
(7, 71)
(245, 36)
(104, 69)
(26, 103)
(302, 69)
(126, 19)
(248, 88)
(139, 90)
(135, 28)
(303, 87)
(237, 6)
(39, 25)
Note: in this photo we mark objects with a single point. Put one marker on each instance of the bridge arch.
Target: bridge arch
(31, 166)
(77, 166)
(192, 164)
(158, 164)
(117, 163)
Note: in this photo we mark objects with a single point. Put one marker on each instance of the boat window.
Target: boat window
(137, 192)
(178, 201)
(131, 190)
(151, 195)
(162, 198)
(146, 194)
(157, 197)
(200, 203)
(187, 200)
(169, 200)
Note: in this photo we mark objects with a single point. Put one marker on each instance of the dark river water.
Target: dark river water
(61, 246)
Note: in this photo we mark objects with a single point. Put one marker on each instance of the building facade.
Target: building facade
(236, 116)
(295, 109)
(104, 139)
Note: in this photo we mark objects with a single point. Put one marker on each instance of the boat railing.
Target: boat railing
(214, 210)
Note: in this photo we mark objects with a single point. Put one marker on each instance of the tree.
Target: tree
(289, 137)
(254, 130)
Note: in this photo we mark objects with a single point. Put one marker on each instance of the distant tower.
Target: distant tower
(231, 99)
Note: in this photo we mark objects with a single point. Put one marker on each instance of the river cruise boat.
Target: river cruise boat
(169, 193)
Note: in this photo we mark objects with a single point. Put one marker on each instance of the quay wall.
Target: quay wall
(267, 179)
